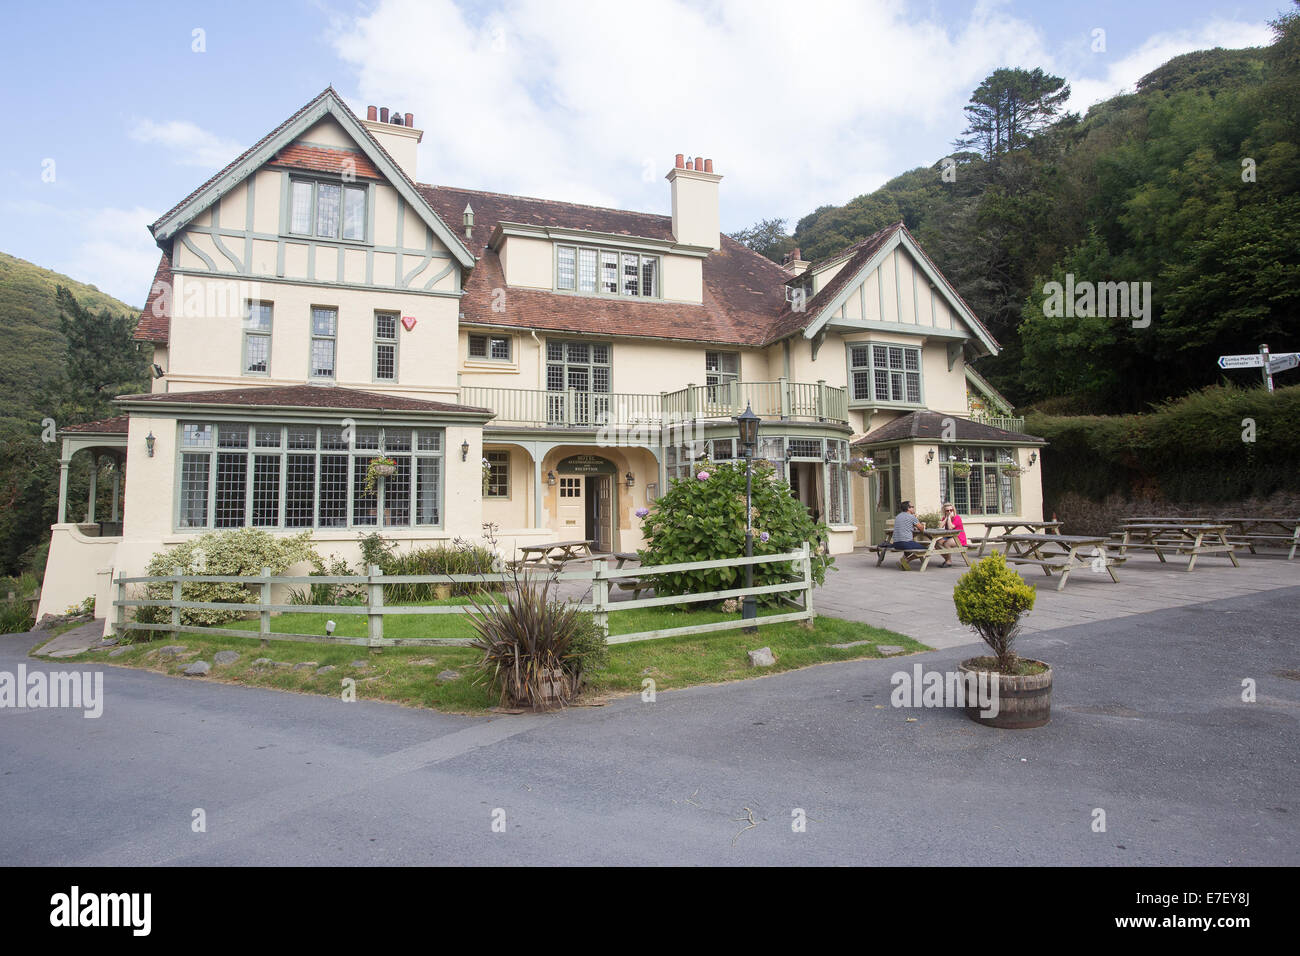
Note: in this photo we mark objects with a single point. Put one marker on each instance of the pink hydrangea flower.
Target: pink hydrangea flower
(703, 476)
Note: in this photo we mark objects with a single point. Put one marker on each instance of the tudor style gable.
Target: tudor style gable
(310, 258)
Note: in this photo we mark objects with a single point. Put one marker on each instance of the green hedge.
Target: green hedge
(1187, 450)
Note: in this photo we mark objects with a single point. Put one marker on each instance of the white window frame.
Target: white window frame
(871, 368)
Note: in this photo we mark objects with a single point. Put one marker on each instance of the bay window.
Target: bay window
(306, 476)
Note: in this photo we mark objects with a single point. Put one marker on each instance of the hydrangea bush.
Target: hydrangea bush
(702, 518)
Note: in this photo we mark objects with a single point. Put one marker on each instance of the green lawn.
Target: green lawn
(408, 675)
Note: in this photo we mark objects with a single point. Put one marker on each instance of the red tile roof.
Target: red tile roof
(301, 396)
(105, 426)
(744, 299)
(323, 159)
(154, 324)
(743, 291)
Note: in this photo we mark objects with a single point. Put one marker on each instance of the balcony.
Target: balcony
(573, 408)
(1016, 425)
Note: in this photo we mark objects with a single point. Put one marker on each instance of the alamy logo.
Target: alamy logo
(81, 690)
(102, 909)
(1103, 300)
(952, 689)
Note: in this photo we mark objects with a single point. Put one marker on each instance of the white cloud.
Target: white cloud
(1124, 73)
(798, 105)
(190, 144)
(115, 253)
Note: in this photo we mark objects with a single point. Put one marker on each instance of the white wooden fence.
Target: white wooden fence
(601, 577)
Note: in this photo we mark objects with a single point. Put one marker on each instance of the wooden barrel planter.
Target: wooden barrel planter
(1023, 702)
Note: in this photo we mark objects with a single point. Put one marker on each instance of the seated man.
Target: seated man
(906, 524)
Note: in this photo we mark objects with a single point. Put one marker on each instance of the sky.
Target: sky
(115, 112)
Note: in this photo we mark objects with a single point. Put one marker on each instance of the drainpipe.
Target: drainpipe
(541, 362)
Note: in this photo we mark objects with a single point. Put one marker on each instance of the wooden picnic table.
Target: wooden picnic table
(1009, 527)
(1062, 553)
(1189, 538)
(555, 553)
(932, 537)
(1247, 532)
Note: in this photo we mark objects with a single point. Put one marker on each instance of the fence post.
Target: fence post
(375, 598)
(120, 627)
(176, 599)
(807, 623)
(783, 396)
(264, 615)
(600, 596)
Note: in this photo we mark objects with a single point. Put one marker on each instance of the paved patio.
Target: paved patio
(920, 604)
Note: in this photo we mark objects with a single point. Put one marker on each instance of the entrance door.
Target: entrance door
(600, 512)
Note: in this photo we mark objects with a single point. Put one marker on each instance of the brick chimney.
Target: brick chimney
(396, 132)
(794, 263)
(696, 221)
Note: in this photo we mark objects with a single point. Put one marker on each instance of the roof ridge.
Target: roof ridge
(579, 205)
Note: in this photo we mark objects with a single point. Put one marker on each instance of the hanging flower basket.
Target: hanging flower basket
(379, 468)
(863, 466)
(961, 470)
(1011, 471)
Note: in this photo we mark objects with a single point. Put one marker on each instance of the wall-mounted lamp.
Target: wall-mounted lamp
(929, 457)
(630, 479)
(158, 370)
(148, 443)
(1033, 457)
(464, 450)
(550, 477)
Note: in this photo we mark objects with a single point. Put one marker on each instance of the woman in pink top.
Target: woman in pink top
(951, 522)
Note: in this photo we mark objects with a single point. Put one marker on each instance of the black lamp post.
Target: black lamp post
(748, 423)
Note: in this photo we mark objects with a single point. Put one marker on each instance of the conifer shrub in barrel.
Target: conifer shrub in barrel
(991, 598)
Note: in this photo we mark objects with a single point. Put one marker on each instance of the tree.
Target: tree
(101, 360)
(767, 237)
(1009, 107)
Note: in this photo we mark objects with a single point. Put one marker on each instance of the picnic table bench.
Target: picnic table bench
(1009, 527)
(1062, 553)
(555, 554)
(932, 537)
(1245, 532)
(1178, 537)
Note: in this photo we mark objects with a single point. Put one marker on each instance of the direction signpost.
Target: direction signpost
(1270, 365)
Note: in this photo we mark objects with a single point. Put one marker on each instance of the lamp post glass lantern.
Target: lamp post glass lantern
(747, 423)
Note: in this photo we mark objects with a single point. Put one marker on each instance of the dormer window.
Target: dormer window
(606, 272)
(327, 210)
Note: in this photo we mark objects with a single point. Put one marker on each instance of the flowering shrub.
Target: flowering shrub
(704, 520)
(244, 551)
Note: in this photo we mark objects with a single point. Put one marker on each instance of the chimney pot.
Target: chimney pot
(708, 165)
(371, 113)
(383, 114)
(690, 164)
(681, 161)
(410, 120)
